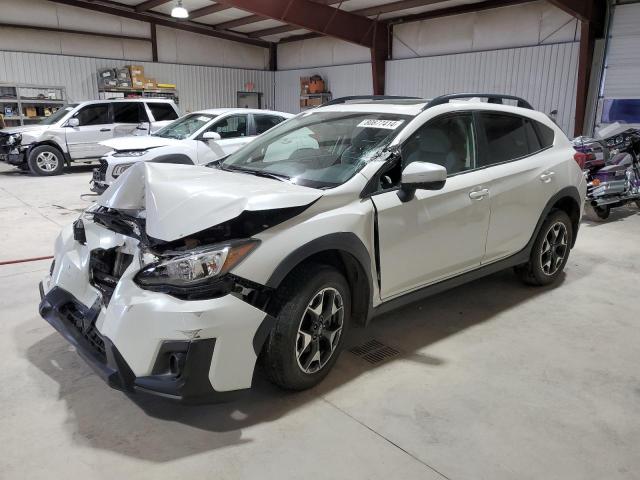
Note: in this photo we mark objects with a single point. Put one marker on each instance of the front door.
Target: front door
(437, 234)
(95, 126)
(234, 132)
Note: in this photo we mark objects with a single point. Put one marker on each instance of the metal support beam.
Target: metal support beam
(154, 42)
(364, 12)
(379, 56)
(585, 60)
(208, 10)
(149, 4)
(162, 20)
(313, 16)
(457, 10)
(273, 57)
(581, 9)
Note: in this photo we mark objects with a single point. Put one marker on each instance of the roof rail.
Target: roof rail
(339, 100)
(491, 98)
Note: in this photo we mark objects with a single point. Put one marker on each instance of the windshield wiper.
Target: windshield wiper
(257, 173)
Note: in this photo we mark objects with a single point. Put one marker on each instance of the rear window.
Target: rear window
(129, 112)
(162, 111)
(265, 122)
(546, 135)
(506, 137)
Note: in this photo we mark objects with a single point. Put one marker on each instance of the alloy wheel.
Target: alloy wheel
(47, 161)
(554, 248)
(319, 330)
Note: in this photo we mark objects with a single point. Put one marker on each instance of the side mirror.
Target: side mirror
(211, 136)
(423, 176)
(73, 123)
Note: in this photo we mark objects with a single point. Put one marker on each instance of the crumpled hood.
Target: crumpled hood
(181, 200)
(139, 143)
(24, 129)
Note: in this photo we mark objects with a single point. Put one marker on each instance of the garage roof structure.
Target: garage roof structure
(368, 23)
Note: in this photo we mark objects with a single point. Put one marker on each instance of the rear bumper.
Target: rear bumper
(76, 323)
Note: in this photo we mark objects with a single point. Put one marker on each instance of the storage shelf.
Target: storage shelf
(25, 95)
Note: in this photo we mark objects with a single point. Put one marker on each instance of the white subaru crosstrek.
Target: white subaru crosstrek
(180, 278)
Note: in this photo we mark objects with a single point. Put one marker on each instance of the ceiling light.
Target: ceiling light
(179, 11)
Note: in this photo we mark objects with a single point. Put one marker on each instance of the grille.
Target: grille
(103, 166)
(100, 173)
(374, 351)
(72, 314)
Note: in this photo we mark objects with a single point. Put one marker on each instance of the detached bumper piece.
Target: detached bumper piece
(181, 369)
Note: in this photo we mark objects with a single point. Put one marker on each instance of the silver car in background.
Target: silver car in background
(74, 132)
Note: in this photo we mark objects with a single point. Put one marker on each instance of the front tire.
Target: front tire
(315, 310)
(46, 160)
(550, 251)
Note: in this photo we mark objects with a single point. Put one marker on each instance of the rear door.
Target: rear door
(161, 114)
(522, 167)
(130, 118)
(95, 126)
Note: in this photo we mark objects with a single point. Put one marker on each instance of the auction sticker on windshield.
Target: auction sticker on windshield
(387, 124)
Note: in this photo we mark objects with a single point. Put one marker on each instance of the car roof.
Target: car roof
(411, 108)
(221, 111)
(118, 100)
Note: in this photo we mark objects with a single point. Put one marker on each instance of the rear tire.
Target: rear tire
(550, 251)
(46, 160)
(315, 307)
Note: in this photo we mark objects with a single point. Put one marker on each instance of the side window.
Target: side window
(547, 136)
(162, 111)
(94, 115)
(505, 138)
(129, 112)
(265, 122)
(231, 127)
(447, 141)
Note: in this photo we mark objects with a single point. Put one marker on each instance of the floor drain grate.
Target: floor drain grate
(374, 351)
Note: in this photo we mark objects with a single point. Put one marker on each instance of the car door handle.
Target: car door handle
(478, 194)
(105, 129)
(547, 176)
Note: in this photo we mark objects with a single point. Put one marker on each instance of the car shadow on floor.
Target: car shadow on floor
(157, 430)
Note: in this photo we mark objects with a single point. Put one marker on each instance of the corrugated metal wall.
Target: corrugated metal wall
(622, 77)
(342, 80)
(545, 75)
(198, 87)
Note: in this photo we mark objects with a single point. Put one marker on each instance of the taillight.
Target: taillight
(581, 159)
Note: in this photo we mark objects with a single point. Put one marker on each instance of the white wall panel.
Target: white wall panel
(320, 51)
(198, 86)
(544, 75)
(341, 80)
(519, 25)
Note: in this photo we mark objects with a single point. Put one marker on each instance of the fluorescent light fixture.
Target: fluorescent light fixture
(179, 11)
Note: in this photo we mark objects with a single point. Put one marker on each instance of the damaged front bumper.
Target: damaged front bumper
(198, 351)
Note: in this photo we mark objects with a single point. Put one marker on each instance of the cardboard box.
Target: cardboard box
(30, 112)
(303, 103)
(137, 82)
(150, 84)
(304, 85)
(136, 70)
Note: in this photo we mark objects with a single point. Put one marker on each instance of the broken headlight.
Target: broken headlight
(14, 139)
(192, 272)
(120, 169)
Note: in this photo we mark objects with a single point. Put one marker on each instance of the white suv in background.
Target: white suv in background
(75, 131)
(181, 278)
(195, 139)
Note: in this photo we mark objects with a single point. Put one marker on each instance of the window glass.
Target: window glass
(184, 127)
(546, 135)
(624, 110)
(129, 112)
(446, 141)
(94, 115)
(162, 111)
(231, 127)
(265, 122)
(533, 142)
(318, 149)
(505, 138)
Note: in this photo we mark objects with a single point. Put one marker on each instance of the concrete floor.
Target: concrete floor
(494, 380)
